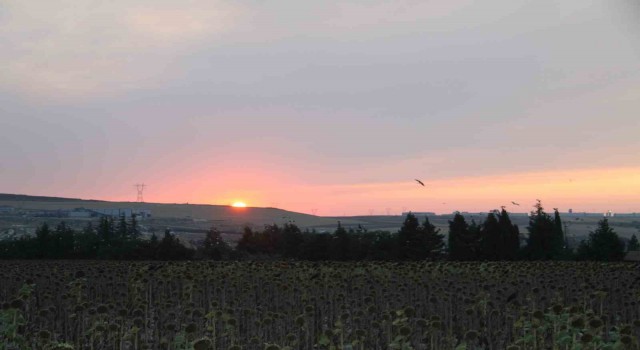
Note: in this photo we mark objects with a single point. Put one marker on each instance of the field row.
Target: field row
(276, 305)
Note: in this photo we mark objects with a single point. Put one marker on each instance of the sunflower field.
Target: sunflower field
(104, 305)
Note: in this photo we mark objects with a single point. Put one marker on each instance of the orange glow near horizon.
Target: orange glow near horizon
(583, 190)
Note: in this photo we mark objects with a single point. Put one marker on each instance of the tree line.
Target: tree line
(496, 238)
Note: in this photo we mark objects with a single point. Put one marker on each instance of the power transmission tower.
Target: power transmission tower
(388, 211)
(314, 211)
(140, 189)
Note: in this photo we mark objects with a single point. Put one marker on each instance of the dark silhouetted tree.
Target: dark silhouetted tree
(134, 230)
(490, 238)
(291, 240)
(560, 237)
(247, 242)
(418, 242)
(170, 248)
(462, 242)
(214, 247)
(430, 241)
(316, 246)
(633, 244)
(340, 244)
(509, 236)
(407, 237)
(62, 242)
(544, 242)
(602, 245)
(43, 236)
(122, 231)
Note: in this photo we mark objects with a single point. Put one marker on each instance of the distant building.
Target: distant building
(126, 212)
(5, 209)
(418, 213)
(80, 213)
(570, 211)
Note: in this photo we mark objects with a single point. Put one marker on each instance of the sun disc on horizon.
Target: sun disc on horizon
(239, 205)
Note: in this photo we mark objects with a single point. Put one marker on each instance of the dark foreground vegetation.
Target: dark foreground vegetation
(330, 305)
(494, 239)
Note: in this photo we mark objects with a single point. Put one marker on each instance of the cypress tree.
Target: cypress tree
(460, 246)
(510, 237)
(407, 237)
(560, 238)
(490, 238)
(543, 242)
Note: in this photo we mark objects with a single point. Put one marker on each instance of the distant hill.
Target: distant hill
(238, 216)
(24, 197)
(188, 215)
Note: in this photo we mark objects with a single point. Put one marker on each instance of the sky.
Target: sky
(330, 107)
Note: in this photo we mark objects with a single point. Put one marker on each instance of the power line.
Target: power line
(140, 189)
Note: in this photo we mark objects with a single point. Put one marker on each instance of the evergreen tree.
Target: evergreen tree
(292, 239)
(544, 242)
(490, 238)
(462, 242)
(510, 237)
(63, 242)
(134, 230)
(106, 229)
(560, 237)
(122, 230)
(316, 247)
(43, 236)
(633, 244)
(154, 239)
(385, 246)
(584, 251)
(602, 245)
(340, 244)
(430, 241)
(87, 242)
(407, 237)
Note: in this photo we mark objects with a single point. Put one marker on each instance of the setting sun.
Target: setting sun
(239, 205)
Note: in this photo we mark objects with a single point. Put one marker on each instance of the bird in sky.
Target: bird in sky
(420, 182)
(514, 203)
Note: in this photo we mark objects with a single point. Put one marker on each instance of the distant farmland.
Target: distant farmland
(193, 219)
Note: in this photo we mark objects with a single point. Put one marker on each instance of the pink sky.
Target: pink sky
(333, 105)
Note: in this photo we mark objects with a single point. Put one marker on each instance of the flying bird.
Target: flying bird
(420, 182)
(514, 203)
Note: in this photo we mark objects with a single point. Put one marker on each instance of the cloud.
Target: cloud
(70, 49)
